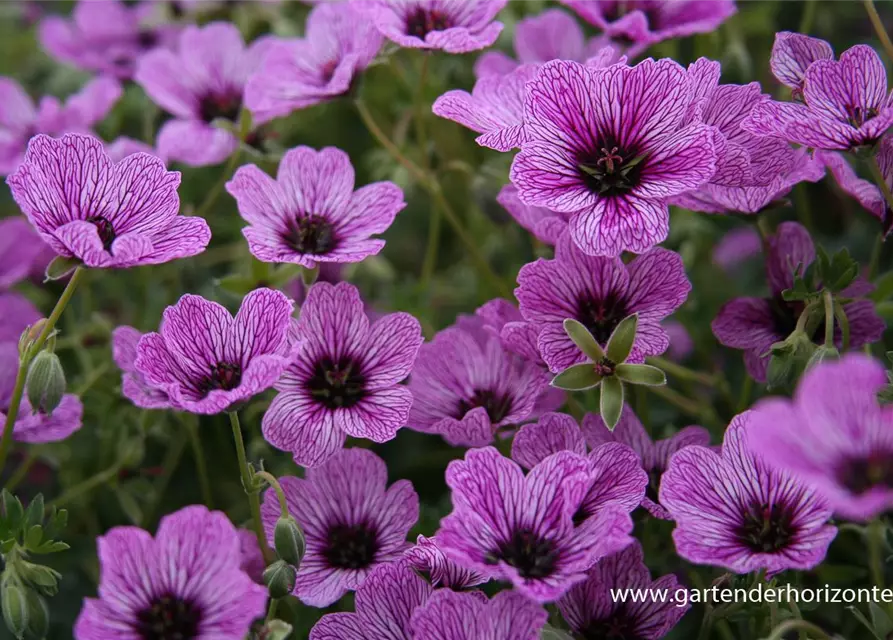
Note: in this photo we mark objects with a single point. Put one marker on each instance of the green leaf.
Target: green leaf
(55, 522)
(130, 506)
(883, 626)
(611, 404)
(577, 378)
(34, 513)
(12, 509)
(581, 337)
(883, 287)
(50, 546)
(60, 267)
(643, 374)
(33, 537)
(621, 341)
(868, 625)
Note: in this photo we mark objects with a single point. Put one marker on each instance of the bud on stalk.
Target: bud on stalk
(45, 383)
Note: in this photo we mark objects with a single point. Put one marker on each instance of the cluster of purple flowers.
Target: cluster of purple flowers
(605, 147)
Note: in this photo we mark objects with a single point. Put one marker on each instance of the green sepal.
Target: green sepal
(580, 336)
(642, 374)
(621, 341)
(60, 267)
(578, 377)
(611, 403)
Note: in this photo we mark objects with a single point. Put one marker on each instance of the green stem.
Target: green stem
(808, 16)
(169, 465)
(271, 480)
(22, 470)
(87, 485)
(430, 184)
(684, 373)
(744, 396)
(706, 625)
(876, 252)
(797, 625)
(829, 318)
(434, 224)
(686, 405)
(875, 168)
(202, 468)
(248, 484)
(844, 324)
(882, 34)
(271, 610)
(875, 533)
(25, 361)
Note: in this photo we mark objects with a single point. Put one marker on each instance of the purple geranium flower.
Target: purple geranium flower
(455, 26)
(613, 169)
(654, 457)
(867, 193)
(845, 105)
(251, 559)
(463, 616)
(599, 292)
(311, 213)
(20, 119)
(466, 385)
(202, 81)
(340, 42)
(834, 436)
(792, 54)
(20, 251)
(207, 361)
(521, 529)
(592, 612)
(105, 214)
(429, 560)
(755, 324)
(681, 344)
(384, 603)
(122, 146)
(352, 522)
(34, 425)
(618, 479)
(134, 385)
(545, 225)
(737, 246)
(494, 108)
(643, 23)
(106, 36)
(345, 377)
(550, 35)
(732, 511)
(184, 583)
(16, 313)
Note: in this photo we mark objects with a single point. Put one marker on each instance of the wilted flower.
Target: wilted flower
(384, 604)
(654, 456)
(33, 424)
(105, 214)
(845, 105)
(184, 583)
(449, 615)
(614, 171)
(207, 361)
(550, 35)
(217, 65)
(20, 119)
(352, 522)
(454, 27)
(599, 292)
(592, 611)
(311, 213)
(834, 436)
(521, 528)
(732, 511)
(345, 377)
(642, 23)
(430, 561)
(339, 43)
(755, 324)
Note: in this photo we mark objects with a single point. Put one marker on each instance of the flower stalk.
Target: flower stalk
(248, 483)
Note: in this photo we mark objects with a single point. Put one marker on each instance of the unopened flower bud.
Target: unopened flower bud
(289, 541)
(280, 579)
(45, 383)
(823, 354)
(276, 630)
(788, 360)
(38, 616)
(15, 609)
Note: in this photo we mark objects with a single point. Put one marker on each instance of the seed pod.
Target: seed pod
(289, 541)
(45, 383)
(280, 579)
(15, 609)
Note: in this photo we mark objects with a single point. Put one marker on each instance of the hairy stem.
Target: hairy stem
(248, 484)
(879, 28)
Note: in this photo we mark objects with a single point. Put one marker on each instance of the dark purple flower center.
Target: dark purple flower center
(328, 70)
(351, 546)
(224, 375)
(600, 316)
(169, 617)
(765, 528)
(653, 487)
(105, 230)
(862, 474)
(225, 105)
(147, 39)
(613, 11)
(312, 235)
(859, 115)
(337, 384)
(532, 555)
(421, 21)
(610, 170)
(497, 403)
(620, 626)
